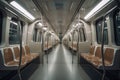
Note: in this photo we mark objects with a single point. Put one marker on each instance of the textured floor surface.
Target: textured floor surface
(60, 67)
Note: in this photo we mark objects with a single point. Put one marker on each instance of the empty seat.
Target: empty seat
(111, 58)
(108, 58)
(97, 56)
(9, 58)
(90, 54)
(34, 55)
(17, 55)
(27, 57)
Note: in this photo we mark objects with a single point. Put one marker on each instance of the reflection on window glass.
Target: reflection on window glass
(117, 26)
(99, 31)
(1, 21)
(14, 32)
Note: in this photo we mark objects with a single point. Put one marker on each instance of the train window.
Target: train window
(82, 35)
(105, 33)
(116, 20)
(40, 37)
(99, 31)
(14, 32)
(76, 36)
(1, 21)
(69, 38)
(35, 35)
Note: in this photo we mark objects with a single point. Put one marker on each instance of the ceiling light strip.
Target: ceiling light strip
(21, 9)
(95, 9)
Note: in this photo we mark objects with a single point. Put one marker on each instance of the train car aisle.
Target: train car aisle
(59, 67)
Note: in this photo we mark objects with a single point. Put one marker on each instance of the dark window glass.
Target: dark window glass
(14, 32)
(99, 31)
(35, 35)
(83, 35)
(40, 37)
(116, 20)
(105, 33)
(1, 21)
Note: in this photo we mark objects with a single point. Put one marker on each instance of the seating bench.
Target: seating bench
(95, 58)
(90, 54)
(10, 57)
(29, 54)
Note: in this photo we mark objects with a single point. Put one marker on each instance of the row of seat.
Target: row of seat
(94, 57)
(11, 56)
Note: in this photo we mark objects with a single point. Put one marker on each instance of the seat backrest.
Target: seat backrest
(98, 52)
(8, 55)
(109, 55)
(92, 48)
(16, 52)
(27, 49)
(23, 51)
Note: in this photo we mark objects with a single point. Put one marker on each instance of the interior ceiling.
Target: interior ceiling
(59, 13)
(87, 7)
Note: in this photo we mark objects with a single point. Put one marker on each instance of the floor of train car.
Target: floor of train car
(60, 67)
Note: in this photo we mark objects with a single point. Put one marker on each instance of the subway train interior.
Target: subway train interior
(59, 39)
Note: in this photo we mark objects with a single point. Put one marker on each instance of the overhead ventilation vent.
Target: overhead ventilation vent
(59, 5)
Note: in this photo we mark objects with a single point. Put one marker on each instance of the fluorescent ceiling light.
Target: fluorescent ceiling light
(95, 9)
(21, 9)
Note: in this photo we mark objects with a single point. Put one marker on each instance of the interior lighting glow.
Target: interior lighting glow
(95, 9)
(13, 23)
(21, 9)
(40, 24)
(45, 28)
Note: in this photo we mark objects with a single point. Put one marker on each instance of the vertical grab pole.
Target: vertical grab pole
(72, 46)
(42, 46)
(78, 46)
(42, 40)
(47, 47)
(20, 59)
(102, 49)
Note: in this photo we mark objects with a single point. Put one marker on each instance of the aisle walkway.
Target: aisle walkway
(59, 67)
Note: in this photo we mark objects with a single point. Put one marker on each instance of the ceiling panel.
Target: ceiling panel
(58, 12)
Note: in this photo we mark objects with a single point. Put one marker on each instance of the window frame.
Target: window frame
(116, 34)
(100, 30)
(82, 37)
(13, 29)
(1, 26)
(35, 31)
